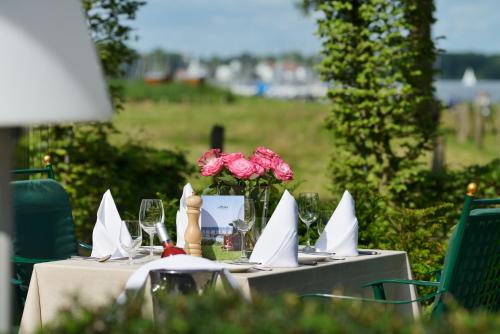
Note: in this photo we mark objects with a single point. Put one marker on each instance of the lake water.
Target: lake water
(448, 91)
(452, 91)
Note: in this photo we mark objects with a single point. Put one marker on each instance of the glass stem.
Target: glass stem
(308, 243)
(151, 236)
(243, 252)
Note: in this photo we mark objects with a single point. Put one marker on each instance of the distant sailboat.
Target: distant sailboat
(469, 78)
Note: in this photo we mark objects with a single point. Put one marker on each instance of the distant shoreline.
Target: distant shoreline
(453, 91)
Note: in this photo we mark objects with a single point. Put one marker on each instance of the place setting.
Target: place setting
(337, 231)
(241, 234)
(117, 240)
(231, 229)
(224, 223)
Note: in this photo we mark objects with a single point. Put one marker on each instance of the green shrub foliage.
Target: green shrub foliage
(86, 162)
(174, 92)
(87, 166)
(217, 313)
(377, 57)
(107, 21)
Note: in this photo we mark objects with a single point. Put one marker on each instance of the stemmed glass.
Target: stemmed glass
(323, 218)
(151, 213)
(244, 225)
(130, 238)
(308, 212)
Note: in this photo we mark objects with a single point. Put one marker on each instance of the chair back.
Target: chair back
(43, 220)
(471, 273)
(30, 171)
(43, 228)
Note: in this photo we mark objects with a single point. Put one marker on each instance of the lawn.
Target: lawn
(294, 129)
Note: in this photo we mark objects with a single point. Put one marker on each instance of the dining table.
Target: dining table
(55, 285)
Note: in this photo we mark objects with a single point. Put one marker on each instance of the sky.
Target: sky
(230, 27)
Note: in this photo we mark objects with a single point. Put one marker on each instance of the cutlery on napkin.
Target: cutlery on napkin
(136, 282)
(181, 220)
(106, 233)
(278, 244)
(98, 259)
(340, 235)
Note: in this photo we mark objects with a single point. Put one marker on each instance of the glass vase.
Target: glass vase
(261, 199)
(260, 195)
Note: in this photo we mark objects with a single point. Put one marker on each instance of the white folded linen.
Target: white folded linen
(340, 235)
(106, 233)
(177, 262)
(278, 244)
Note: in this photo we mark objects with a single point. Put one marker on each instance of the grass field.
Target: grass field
(294, 129)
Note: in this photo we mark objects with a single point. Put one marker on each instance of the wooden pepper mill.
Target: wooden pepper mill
(192, 236)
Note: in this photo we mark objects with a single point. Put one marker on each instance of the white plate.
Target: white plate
(237, 268)
(156, 249)
(312, 257)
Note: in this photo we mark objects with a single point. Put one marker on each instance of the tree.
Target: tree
(378, 57)
(107, 22)
(86, 162)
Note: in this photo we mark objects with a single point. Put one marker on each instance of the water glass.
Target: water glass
(130, 238)
(323, 218)
(244, 225)
(151, 213)
(308, 203)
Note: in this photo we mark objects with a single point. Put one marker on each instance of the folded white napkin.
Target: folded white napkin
(278, 243)
(177, 262)
(181, 220)
(106, 234)
(341, 232)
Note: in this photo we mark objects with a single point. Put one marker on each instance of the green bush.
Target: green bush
(174, 92)
(87, 164)
(217, 313)
(420, 217)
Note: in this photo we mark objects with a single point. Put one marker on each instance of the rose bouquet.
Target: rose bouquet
(234, 174)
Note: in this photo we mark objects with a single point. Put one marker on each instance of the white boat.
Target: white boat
(469, 78)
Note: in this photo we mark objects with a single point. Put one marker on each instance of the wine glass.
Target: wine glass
(323, 218)
(151, 213)
(244, 225)
(308, 212)
(130, 238)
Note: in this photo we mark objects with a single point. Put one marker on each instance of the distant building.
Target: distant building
(194, 74)
(265, 71)
(223, 74)
(235, 66)
(157, 77)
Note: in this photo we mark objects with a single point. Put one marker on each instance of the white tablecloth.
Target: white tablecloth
(53, 284)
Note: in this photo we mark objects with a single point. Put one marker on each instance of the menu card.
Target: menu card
(217, 214)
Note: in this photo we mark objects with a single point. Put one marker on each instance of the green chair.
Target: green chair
(471, 271)
(43, 230)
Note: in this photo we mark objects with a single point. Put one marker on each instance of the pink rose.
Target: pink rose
(282, 170)
(228, 157)
(212, 167)
(264, 157)
(258, 170)
(266, 153)
(261, 161)
(241, 168)
(208, 156)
